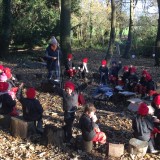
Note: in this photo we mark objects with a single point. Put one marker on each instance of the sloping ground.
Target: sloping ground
(114, 118)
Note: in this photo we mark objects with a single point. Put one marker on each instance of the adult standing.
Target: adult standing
(53, 55)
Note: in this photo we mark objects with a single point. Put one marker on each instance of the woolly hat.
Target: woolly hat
(143, 109)
(3, 77)
(70, 85)
(4, 86)
(1, 68)
(7, 71)
(157, 100)
(69, 56)
(104, 62)
(133, 70)
(85, 60)
(53, 41)
(148, 77)
(31, 93)
(125, 68)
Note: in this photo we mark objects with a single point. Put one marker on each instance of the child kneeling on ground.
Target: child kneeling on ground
(32, 109)
(90, 130)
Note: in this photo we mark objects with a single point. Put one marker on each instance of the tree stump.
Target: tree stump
(116, 150)
(5, 121)
(22, 128)
(137, 148)
(53, 135)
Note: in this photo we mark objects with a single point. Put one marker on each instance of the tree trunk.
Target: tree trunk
(65, 27)
(129, 40)
(90, 25)
(112, 33)
(157, 47)
(5, 32)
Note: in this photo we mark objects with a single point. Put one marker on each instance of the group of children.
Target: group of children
(144, 128)
(32, 109)
(71, 70)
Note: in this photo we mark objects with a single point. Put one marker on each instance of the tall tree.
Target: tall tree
(65, 27)
(112, 32)
(130, 33)
(5, 28)
(157, 49)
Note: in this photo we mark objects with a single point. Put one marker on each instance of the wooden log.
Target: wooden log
(53, 135)
(116, 150)
(87, 146)
(22, 128)
(137, 148)
(5, 121)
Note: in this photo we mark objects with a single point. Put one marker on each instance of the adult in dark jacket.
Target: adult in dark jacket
(6, 102)
(143, 127)
(52, 56)
(70, 104)
(31, 107)
(90, 130)
(103, 70)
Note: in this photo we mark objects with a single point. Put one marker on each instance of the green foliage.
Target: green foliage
(34, 21)
(144, 37)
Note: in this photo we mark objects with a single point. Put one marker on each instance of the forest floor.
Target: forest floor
(114, 117)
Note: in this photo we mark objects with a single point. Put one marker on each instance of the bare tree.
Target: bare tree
(5, 32)
(112, 32)
(130, 33)
(65, 27)
(157, 49)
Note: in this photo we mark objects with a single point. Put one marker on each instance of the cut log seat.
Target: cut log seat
(53, 135)
(22, 128)
(116, 150)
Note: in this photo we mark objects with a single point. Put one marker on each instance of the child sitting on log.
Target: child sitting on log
(103, 70)
(70, 68)
(31, 107)
(133, 79)
(145, 85)
(90, 130)
(83, 69)
(125, 75)
(6, 102)
(143, 127)
(113, 72)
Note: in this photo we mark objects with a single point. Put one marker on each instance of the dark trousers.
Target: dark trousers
(68, 119)
(103, 78)
(151, 144)
(53, 70)
(82, 74)
(157, 141)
